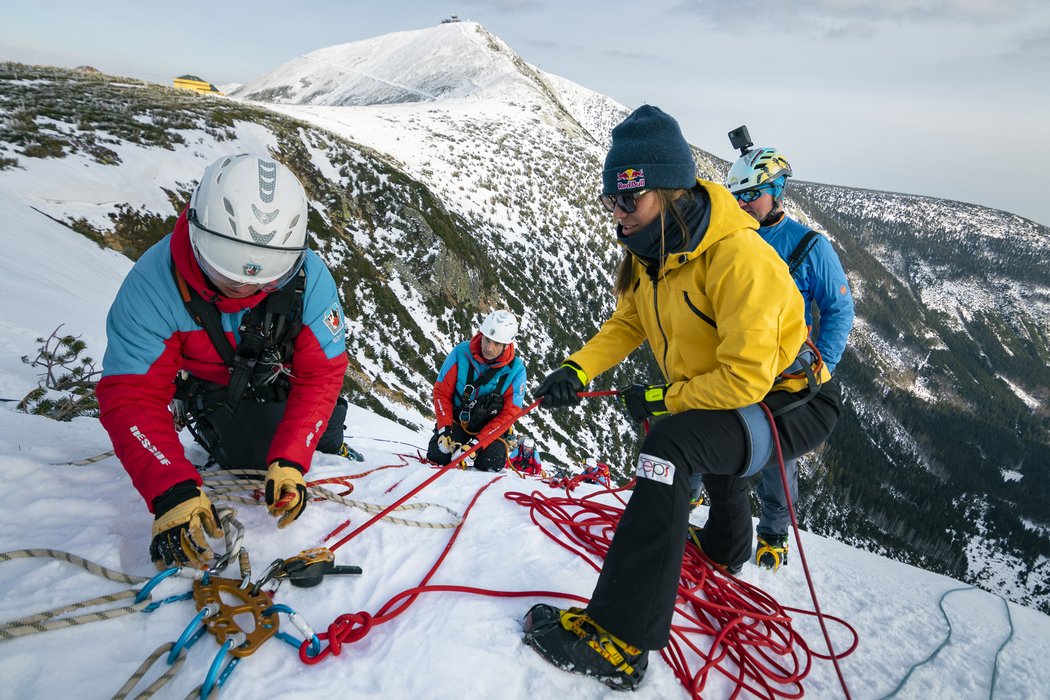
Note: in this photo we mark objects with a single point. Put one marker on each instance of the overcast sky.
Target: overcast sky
(941, 97)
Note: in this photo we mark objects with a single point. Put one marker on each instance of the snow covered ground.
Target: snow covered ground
(446, 645)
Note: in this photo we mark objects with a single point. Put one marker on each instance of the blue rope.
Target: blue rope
(995, 666)
(170, 599)
(933, 655)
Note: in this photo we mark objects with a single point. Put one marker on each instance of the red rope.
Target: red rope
(481, 444)
(352, 627)
(802, 556)
(718, 618)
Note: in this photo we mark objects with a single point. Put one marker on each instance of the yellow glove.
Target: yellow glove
(183, 515)
(445, 442)
(285, 492)
(467, 447)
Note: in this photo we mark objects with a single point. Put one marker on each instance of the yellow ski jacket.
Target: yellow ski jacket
(723, 320)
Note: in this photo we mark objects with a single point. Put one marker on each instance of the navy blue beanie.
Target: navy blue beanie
(648, 152)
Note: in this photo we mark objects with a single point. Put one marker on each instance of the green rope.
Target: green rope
(933, 655)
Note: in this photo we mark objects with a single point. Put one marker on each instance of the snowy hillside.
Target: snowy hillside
(431, 212)
(446, 644)
(946, 374)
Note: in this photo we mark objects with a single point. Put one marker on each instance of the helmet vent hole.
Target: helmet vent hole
(228, 205)
(233, 226)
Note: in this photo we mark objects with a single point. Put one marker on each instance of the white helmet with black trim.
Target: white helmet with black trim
(756, 168)
(500, 326)
(247, 220)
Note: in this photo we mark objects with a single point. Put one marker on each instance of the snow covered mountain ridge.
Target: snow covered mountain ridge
(445, 183)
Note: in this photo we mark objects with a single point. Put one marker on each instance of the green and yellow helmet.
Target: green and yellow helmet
(756, 168)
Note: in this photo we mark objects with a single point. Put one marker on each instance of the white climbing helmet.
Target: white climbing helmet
(500, 326)
(757, 167)
(247, 222)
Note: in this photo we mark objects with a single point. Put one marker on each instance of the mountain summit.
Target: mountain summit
(459, 60)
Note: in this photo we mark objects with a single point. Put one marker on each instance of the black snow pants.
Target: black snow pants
(636, 590)
(241, 439)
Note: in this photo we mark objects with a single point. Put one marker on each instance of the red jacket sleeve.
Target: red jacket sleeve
(134, 411)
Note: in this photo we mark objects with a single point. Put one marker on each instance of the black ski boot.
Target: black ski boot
(574, 642)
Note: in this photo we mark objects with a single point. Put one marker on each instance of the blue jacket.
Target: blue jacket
(533, 464)
(821, 279)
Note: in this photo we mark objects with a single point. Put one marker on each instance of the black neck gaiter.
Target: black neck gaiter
(646, 243)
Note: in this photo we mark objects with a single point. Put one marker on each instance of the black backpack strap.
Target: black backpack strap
(801, 250)
(207, 316)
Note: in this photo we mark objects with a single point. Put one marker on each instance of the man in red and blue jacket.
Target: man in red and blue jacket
(241, 240)
(480, 386)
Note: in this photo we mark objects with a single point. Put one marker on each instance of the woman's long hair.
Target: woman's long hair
(624, 274)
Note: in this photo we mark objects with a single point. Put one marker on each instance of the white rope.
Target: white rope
(223, 487)
(49, 620)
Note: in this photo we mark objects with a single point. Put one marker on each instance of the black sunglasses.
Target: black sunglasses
(624, 201)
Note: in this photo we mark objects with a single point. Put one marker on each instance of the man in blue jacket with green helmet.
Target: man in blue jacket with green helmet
(757, 180)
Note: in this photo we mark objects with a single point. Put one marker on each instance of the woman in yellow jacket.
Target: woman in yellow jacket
(724, 320)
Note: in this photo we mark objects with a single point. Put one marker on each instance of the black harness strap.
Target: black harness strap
(488, 374)
(207, 316)
(478, 409)
(801, 251)
(272, 323)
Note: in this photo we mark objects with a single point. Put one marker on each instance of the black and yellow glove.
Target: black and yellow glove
(643, 402)
(470, 449)
(560, 387)
(445, 442)
(182, 516)
(285, 492)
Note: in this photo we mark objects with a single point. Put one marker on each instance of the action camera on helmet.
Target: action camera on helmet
(741, 139)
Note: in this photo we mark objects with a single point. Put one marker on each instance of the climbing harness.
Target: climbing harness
(259, 363)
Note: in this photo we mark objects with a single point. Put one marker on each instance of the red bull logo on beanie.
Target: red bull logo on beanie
(655, 469)
(630, 179)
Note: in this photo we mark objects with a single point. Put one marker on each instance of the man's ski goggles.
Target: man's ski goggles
(748, 196)
(624, 201)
